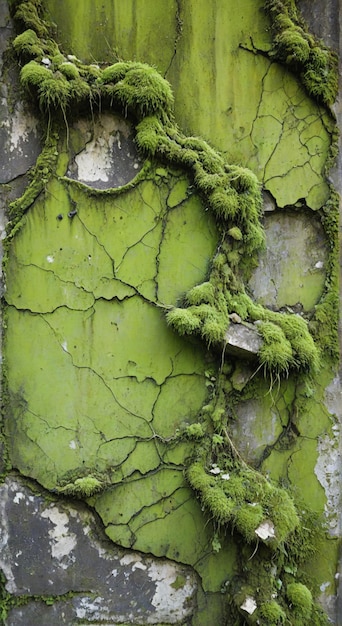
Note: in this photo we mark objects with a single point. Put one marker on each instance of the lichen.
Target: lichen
(230, 191)
(237, 497)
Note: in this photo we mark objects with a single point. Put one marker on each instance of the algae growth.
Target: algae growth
(130, 399)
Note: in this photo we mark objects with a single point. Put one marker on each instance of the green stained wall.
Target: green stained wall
(101, 391)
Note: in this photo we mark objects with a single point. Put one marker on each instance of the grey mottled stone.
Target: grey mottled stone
(51, 547)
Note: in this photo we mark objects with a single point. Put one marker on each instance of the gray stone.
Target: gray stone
(49, 548)
(292, 269)
(322, 19)
(108, 156)
(255, 429)
(242, 340)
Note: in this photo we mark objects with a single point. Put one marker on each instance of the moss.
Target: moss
(33, 73)
(282, 511)
(272, 613)
(142, 90)
(232, 193)
(235, 233)
(201, 293)
(300, 597)
(69, 70)
(195, 431)
(82, 487)
(239, 496)
(294, 46)
(276, 352)
(28, 43)
(183, 321)
(247, 519)
(40, 175)
(29, 14)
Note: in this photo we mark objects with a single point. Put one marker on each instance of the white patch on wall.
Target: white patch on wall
(62, 540)
(328, 468)
(21, 126)
(5, 561)
(109, 157)
(170, 600)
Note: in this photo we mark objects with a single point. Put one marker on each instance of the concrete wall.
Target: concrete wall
(106, 405)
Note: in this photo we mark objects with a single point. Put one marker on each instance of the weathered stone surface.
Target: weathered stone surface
(59, 548)
(292, 269)
(104, 153)
(322, 19)
(242, 340)
(286, 144)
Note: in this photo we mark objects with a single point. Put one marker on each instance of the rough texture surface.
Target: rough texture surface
(105, 402)
(53, 550)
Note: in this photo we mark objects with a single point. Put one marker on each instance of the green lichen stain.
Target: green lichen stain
(103, 30)
(221, 60)
(72, 283)
(106, 402)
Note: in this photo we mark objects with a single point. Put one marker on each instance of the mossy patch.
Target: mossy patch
(113, 291)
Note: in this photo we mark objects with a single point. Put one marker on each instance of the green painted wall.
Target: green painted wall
(102, 391)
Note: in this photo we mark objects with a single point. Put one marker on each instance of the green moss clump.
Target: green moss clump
(183, 320)
(282, 511)
(235, 233)
(28, 43)
(149, 134)
(29, 14)
(195, 431)
(272, 613)
(201, 293)
(143, 91)
(276, 352)
(294, 46)
(239, 496)
(247, 519)
(301, 599)
(82, 487)
(69, 70)
(33, 74)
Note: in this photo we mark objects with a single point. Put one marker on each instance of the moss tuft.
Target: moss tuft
(294, 46)
(28, 14)
(33, 73)
(82, 487)
(247, 519)
(195, 431)
(28, 43)
(69, 70)
(301, 599)
(201, 293)
(143, 91)
(276, 352)
(235, 233)
(272, 613)
(183, 321)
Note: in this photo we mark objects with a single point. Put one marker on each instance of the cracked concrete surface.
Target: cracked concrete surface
(98, 383)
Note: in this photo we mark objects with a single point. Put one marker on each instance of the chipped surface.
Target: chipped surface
(70, 554)
(109, 157)
(291, 272)
(99, 385)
